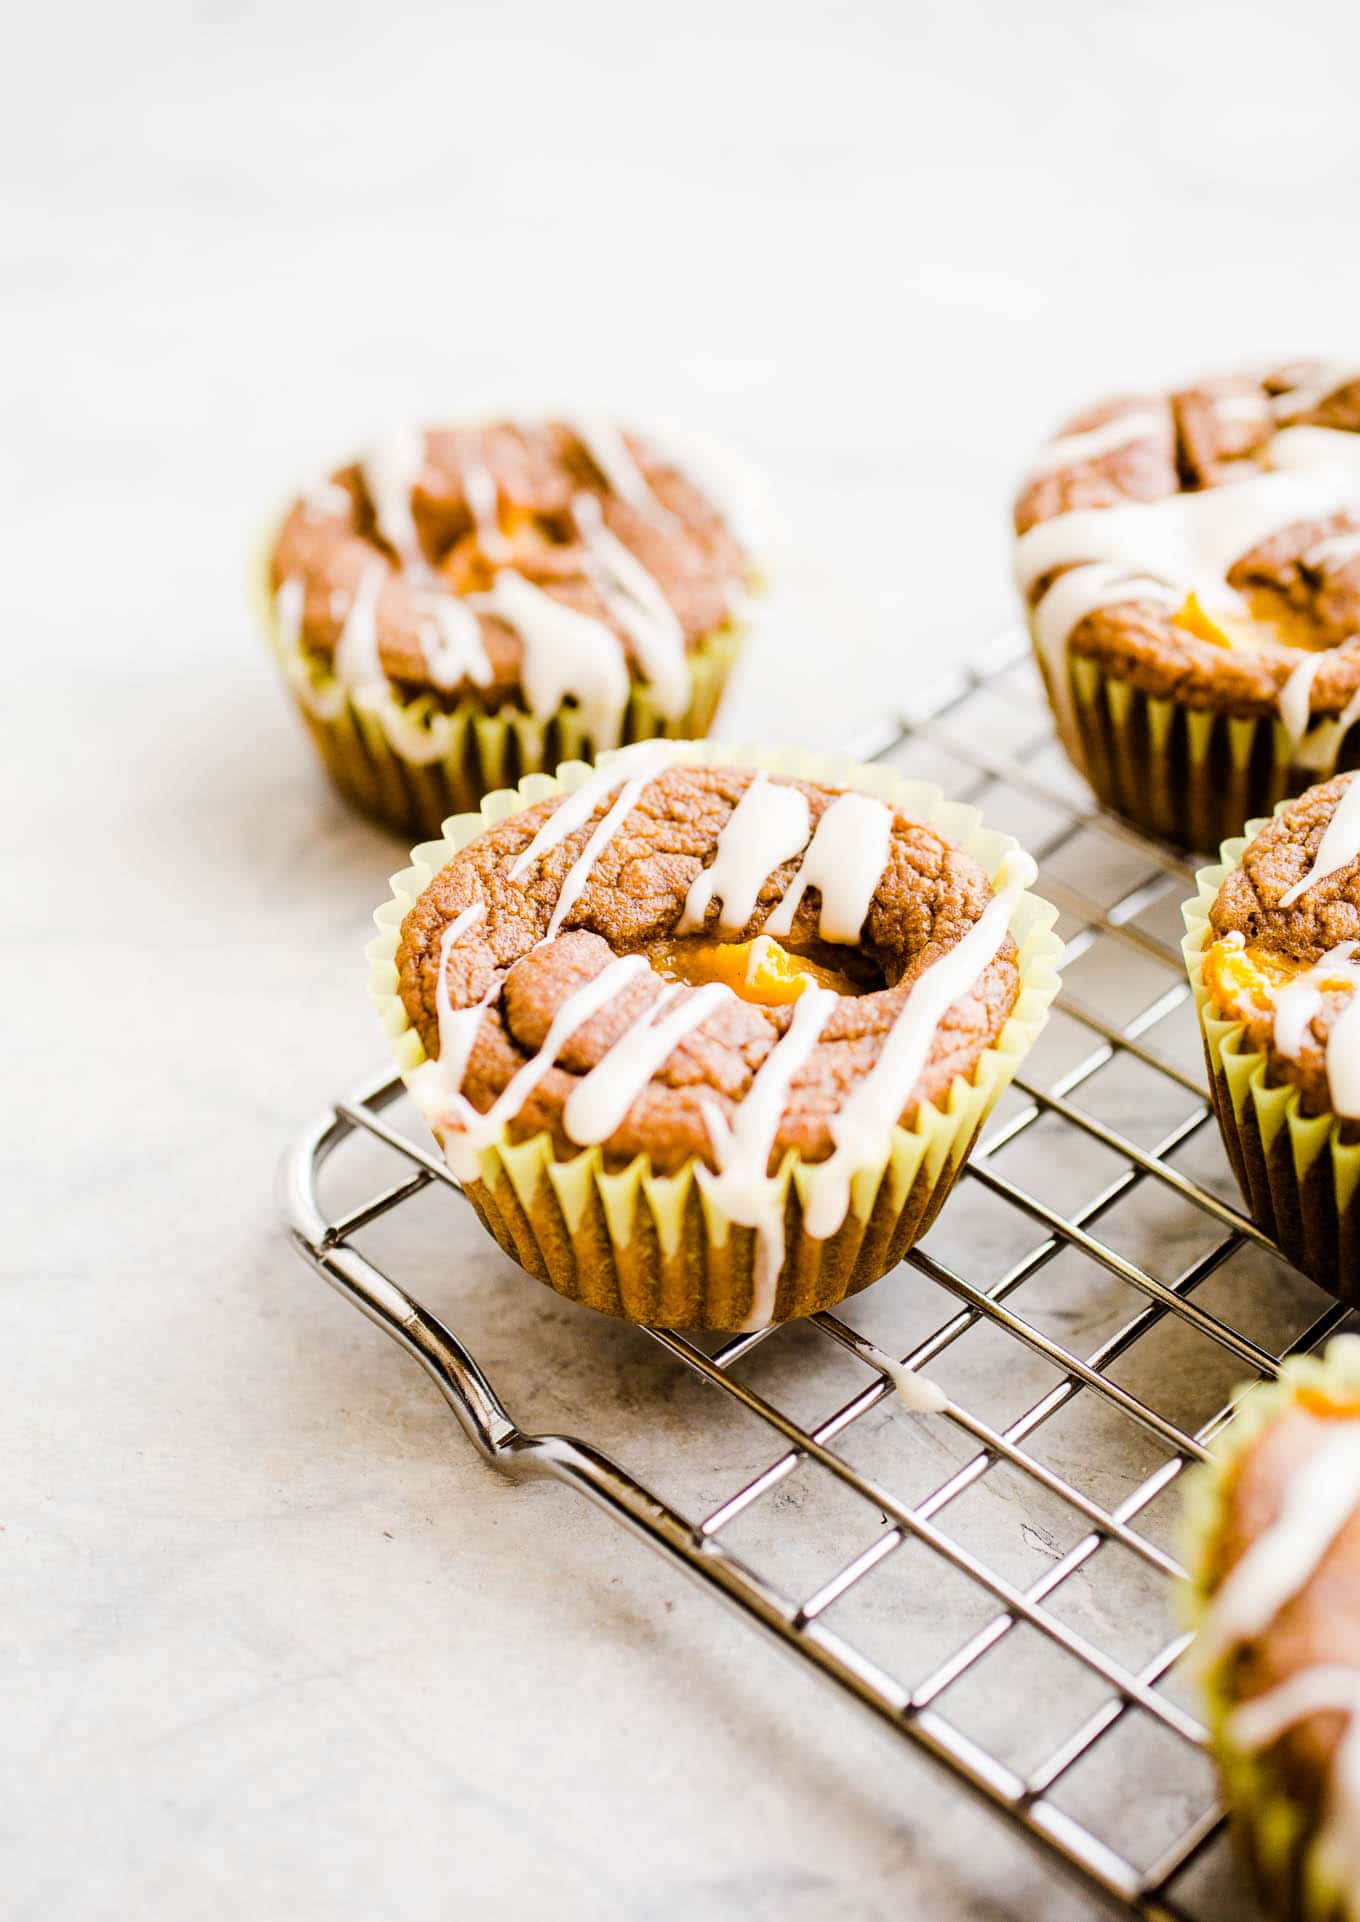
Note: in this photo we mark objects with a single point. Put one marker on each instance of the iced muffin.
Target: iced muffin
(1190, 566)
(1273, 948)
(707, 1044)
(464, 605)
(1273, 1538)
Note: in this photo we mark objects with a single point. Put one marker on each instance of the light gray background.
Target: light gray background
(275, 1644)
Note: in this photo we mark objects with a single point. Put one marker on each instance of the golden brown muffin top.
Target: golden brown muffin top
(927, 895)
(412, 540)
(1298, 586)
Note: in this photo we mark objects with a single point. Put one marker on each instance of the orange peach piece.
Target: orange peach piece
(1203, 625)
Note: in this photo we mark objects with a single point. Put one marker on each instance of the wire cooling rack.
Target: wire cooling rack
(994, 1581)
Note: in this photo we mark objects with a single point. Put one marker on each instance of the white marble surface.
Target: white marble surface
(283, 1647)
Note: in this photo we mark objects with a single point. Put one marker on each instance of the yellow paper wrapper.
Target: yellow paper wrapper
(1275, 1834)
(1191, 776)
(412, 763)
(1297, 1175)
(656, 1249)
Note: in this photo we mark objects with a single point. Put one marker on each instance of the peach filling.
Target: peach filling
(520, 539)
(1266, 622)
(1245, 980)
(761, 970)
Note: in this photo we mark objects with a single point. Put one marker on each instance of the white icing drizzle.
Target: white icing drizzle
(581, 869)
(1321, 749)
(599, 1102)
(1343, 1059)
(565, 653)
(464, 1142)
(1074, 595)
(845, 861)
(768, 826)
(609, 452)
(1188, 540)
(289, 599)
(640, 608)
(1296, 447)
(1318, 1503)
(483, 499)
(358, 662)
(1260, 1723)
(1256, 1725)
(1241, 407)
(1336, 547)
(1338, 847)
(1296, 697)
(865, 1122)
(324, 497)
(451, 641)
(1299, 1000)
(1094, 442)
(742, 1148)
(1338, 1839)
(640, 758)
(457, 1026)
(390, 469)
(1301, 400)
(922, 1395)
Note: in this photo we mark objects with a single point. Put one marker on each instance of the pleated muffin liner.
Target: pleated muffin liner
(1298, 1176)
(1191, 776)
(657, 1248)
(1274, 1832)
(412, 762)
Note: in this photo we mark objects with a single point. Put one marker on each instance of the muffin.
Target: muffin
(706, 1042)
(1190, 563)
(465, 605)
(1273, 1540)
(1273, 949)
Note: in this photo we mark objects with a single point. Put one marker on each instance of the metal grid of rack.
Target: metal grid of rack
(1087, 1301)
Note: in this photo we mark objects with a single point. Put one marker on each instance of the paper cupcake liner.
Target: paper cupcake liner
(657, 1249)
(1298, 1176)
(412, 763)
(1191, 776)
(1274, 1832)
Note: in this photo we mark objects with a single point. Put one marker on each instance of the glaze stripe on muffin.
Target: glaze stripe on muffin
(690, 1035)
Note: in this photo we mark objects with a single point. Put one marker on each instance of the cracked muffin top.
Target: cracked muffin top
(514, 562)
(674, 956)
(1285, 957)
(1204, 544)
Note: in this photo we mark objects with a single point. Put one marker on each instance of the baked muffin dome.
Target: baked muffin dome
(1274, 1539)
(1274, 953)
(466, 604)
(698, 978)
(1190, 563)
